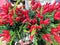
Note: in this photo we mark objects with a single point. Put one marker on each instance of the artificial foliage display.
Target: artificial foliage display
(39, 25)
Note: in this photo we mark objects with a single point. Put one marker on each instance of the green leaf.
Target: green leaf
(53, 25)
(33, 32)
(25, 30)
(35, 41)
(38, 20)
(11, 33)
(51, 16)
(3, 27)
(45, 29)
(24, 27)
(32, 14)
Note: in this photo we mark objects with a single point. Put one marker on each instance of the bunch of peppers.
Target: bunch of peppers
(40, 24)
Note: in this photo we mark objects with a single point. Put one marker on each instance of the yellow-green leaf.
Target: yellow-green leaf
(33, 32)
(25, 31)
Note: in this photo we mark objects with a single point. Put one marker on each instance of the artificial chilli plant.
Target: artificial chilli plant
(40, 25)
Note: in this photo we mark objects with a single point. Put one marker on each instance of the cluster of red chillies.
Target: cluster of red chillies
(22, 15)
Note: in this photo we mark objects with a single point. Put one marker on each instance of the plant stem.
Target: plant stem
(20, 27)
(18, 34)
(16, 4)
(12, 39)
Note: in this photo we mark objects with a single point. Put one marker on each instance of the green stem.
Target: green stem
(21, 27)
(12, 39)
(35, 40)
(18, 34)
(16, 4)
